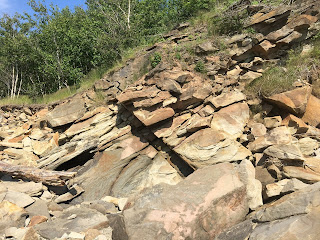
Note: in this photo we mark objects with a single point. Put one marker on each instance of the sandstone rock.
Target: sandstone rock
(134, 93)
(208, 146)
(20, 199)
(302, 174)
(249, 76)
(291, 38)
(37, 220)
(284, 186)
(206, 48)
(42, 148)
(66, 113)
(272, 122)
(297, 124)
(279, 135)
(11, 215)
(150, 118)
(231, 119)
(226, 99)
(169, 85)
(294, 101)
(206, 111)
(284, 152)
(21, 233)
(149, 102)
(308, 145)
(296, 203)
(264, 48)
(295, 227)
(258, 130)
(279, 34)
(73, 193)
(312, 112)
(161, 211)
(30, 188)
(253, 186)
(38, 208)
(84, 219)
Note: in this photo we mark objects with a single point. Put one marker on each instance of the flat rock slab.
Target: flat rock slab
(66, 113)
(206, 203)
(74, 219)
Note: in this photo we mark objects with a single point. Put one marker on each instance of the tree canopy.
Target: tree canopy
(54, 48)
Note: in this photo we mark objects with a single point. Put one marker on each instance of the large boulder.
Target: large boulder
(206, 203)
(294, 101)
(231, 119)
(66, 113)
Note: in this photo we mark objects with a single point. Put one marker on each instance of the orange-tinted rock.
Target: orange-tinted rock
(297, 123)
(135, 93)
(294, 101)
(37, 220)
(302, 174)
(302, 20)
(312, 113)
(150, 118)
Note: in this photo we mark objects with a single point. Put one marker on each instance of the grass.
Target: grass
(279, 78)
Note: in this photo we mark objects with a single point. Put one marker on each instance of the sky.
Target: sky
(12, 6)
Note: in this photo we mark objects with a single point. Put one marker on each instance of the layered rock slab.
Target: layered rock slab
(206, 203)
(208, 147)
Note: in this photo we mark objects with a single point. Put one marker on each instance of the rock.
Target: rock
(20, 199)
(291, 38)
(264, 49)
(206, 111)
(169, 85)
(272, 122)
(205, 48)
(295, 227)
(84, 219)
(66, 113)
(264, 176)
(312, 113)
(239, 231)
(226, 99)
(208, 146)
(218, 202)
(279, 34)
(133, 93)
(11, 215)
(231, 119)
(296, 203)
(150, 118)
(38, 208)
(258, 130)
(71, 194)
(279, 135)
(284, 186)
(294, 101)
(42, 148)
(30, 188)
(296, 124)
(37, 220)
(21, 233)
(308, 145)
(302, 174)
(253, 186)
(285, 152)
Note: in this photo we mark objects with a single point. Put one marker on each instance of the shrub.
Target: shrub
(155, 59)
(200, 67)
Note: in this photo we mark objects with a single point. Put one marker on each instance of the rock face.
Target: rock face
(218, 201)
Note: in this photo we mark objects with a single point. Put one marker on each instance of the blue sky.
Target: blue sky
(12, 6)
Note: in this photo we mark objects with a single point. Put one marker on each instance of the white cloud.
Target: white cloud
(4, 4)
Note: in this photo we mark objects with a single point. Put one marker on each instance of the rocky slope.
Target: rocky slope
(176, 154)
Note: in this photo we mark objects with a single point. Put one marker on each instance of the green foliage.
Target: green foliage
(277, 79)
(200, 67)
(155, 59)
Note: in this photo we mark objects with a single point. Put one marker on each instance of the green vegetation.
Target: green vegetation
(277, 79)
(200, 67)
(155, 59)
(53, 50)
